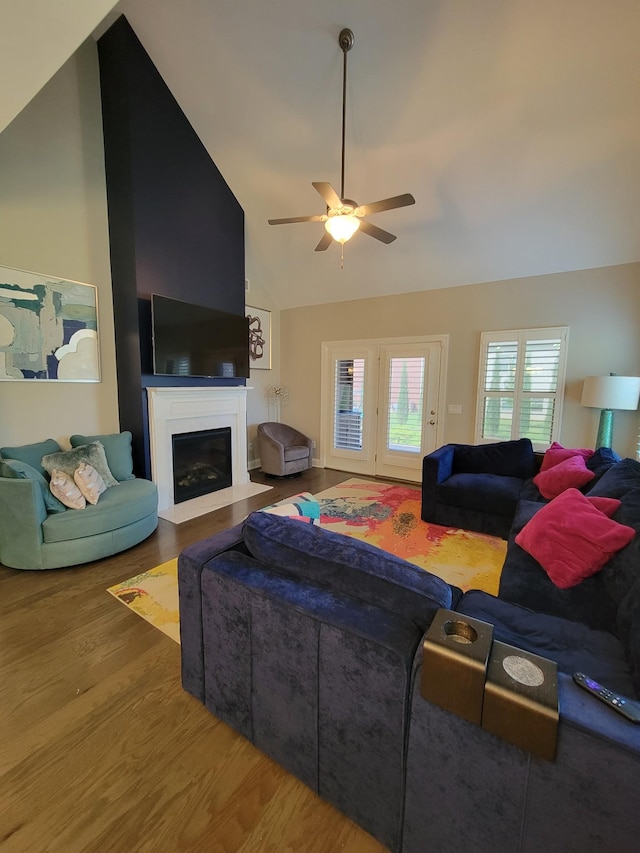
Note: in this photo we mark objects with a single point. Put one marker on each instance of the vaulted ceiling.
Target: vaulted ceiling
(514, 123)
(36, 39)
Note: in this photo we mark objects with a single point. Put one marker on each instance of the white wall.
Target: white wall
(600, 306)
(53, 220)
(36, 38)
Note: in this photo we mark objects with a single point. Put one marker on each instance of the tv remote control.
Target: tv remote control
(627, 707)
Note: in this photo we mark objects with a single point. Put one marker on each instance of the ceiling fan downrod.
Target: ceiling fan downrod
(345, 40)
(343, 216)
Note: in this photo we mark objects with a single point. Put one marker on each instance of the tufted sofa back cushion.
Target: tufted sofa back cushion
(347, 566)
(505, 458)
(621, 575)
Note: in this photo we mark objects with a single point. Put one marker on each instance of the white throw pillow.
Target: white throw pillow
(63, 487)
(89, 482)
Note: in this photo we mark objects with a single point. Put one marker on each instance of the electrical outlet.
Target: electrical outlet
(250, 448)
(313, 445)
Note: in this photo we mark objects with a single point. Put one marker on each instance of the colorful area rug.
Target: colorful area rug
(154, 596)
(383, 514)
(388, 516)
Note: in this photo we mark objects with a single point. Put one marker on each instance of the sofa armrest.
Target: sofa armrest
(190, 565)
(302, 440)
(436, 467)
(22, 512)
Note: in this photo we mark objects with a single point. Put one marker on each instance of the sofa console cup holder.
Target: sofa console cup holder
(454, 664)
(511, 693)
(460, 632)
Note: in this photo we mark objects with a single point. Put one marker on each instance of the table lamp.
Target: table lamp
(609, 393)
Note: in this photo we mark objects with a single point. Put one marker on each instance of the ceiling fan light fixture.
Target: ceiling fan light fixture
(342, 227)
(344, 216)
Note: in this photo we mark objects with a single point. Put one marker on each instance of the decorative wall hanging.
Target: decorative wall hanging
(48, 328)
(259, 338)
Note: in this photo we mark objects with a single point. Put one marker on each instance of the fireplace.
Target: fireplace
(201, 462)
(179, 411)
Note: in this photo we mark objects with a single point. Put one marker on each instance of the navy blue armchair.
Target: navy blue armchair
(476, 487)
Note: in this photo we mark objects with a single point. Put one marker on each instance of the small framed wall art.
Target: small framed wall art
(48, 328)
(259, 338)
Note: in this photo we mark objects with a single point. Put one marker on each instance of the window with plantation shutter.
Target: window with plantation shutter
(349, 389)
(521, 385)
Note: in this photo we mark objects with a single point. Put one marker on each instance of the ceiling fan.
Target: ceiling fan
(344, 216)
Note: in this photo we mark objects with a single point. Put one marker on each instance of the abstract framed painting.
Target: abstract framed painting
(48, 328)
(259, 338)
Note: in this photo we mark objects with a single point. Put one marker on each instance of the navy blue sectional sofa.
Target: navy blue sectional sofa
(310, 645)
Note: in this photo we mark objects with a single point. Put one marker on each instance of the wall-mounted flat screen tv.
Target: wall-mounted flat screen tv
(192, 340)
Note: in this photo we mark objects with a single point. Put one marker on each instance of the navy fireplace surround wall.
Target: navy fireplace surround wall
(175, 227)
(309, 643)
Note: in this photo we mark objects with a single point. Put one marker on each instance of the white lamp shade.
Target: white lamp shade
(611, 392)
(342, 227)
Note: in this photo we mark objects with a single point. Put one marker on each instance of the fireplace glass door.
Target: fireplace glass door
(201, 463)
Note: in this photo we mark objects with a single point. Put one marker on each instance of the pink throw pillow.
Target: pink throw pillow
(572, 473)
(557, 453)
(609, 506)
(571, 539)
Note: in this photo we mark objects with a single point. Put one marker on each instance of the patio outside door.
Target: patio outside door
(380, 406)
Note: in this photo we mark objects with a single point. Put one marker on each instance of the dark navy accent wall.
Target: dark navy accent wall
(175, 227)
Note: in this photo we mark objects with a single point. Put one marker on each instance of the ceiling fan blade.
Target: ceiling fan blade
(324, 243)
(321, 217)
(385, 204)
(328, 193)
(373, 231)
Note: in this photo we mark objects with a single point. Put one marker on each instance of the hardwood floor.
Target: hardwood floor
(102, 750)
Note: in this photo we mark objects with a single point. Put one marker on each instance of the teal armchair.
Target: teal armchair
(38, 532)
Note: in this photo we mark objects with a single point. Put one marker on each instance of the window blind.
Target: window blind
(348, 404)
(521, 385)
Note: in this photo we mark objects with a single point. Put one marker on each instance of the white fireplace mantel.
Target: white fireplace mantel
(176, 410)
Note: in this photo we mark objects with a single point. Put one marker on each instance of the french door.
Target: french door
(380, 405)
